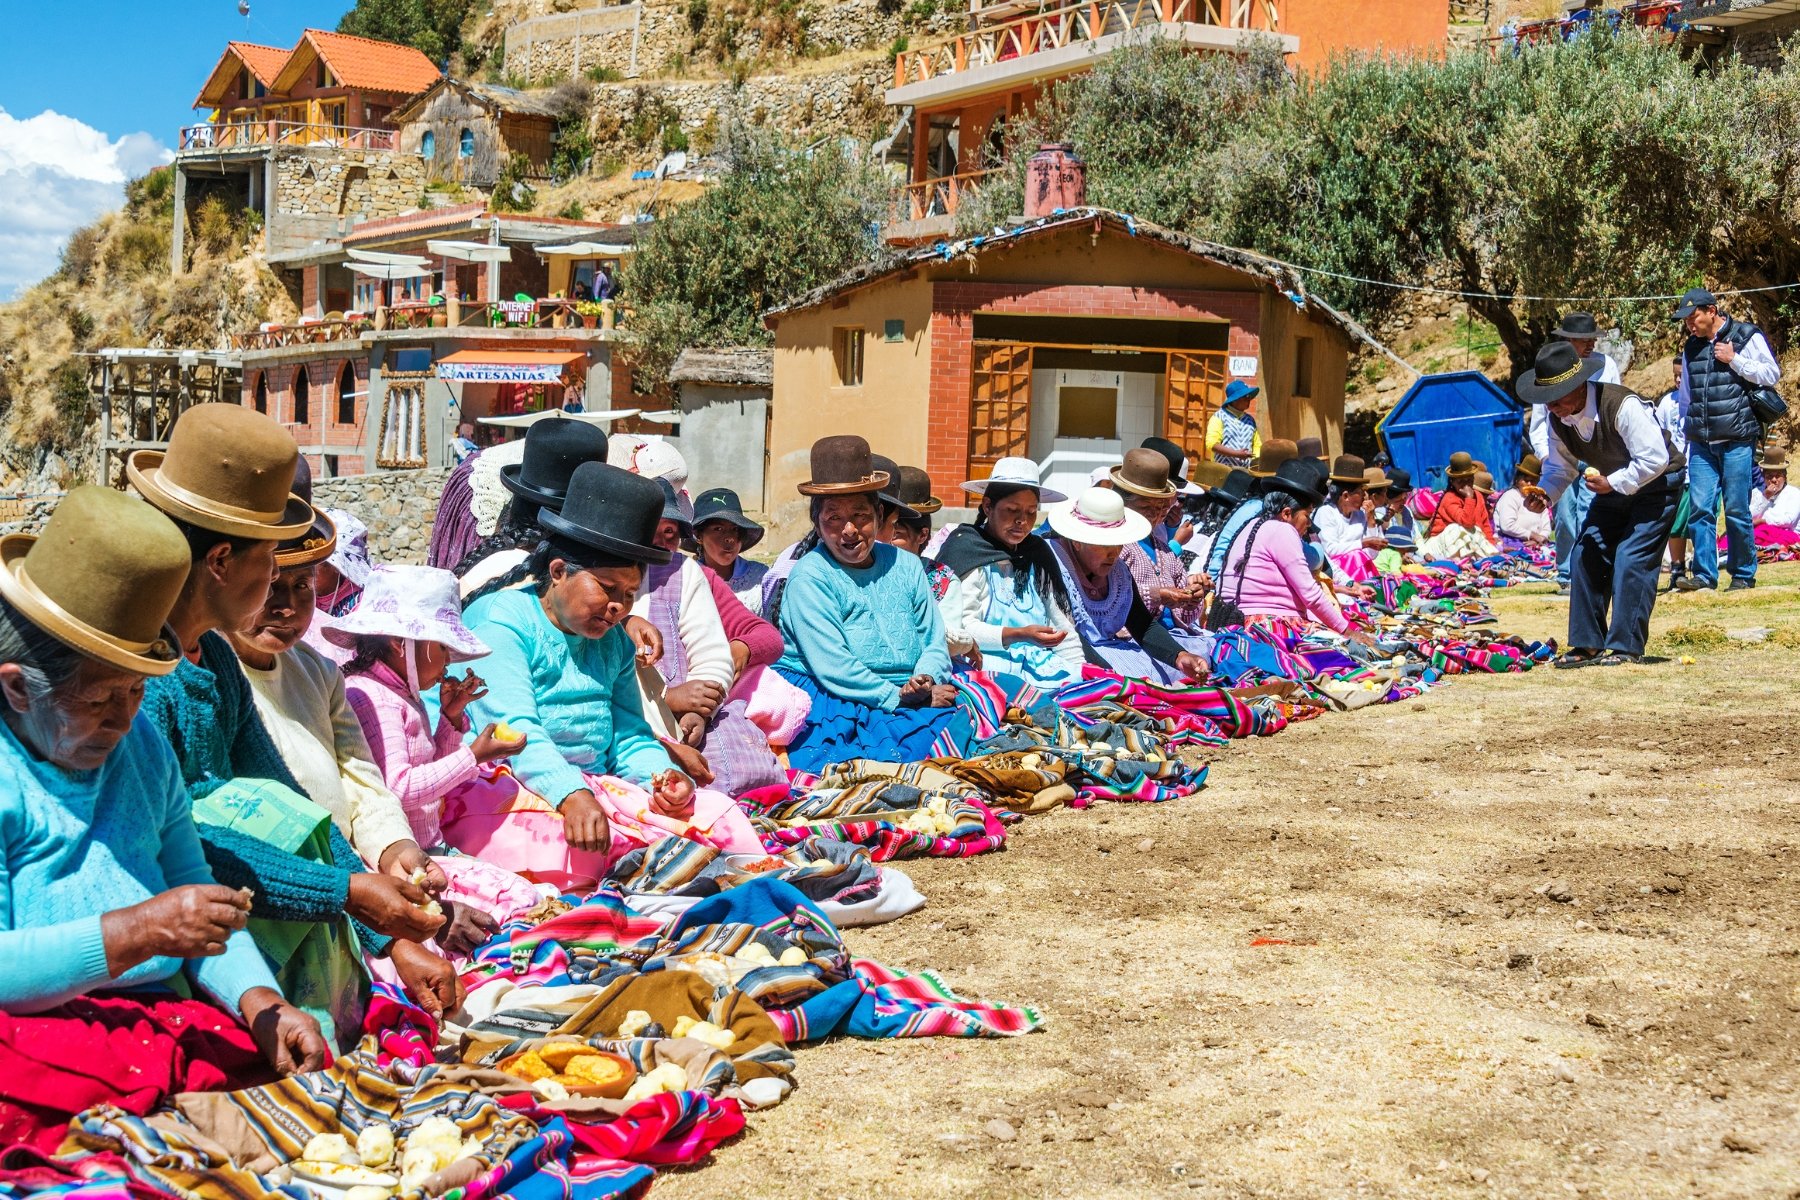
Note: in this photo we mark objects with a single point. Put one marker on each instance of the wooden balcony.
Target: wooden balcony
(465, 315)
(1058, 30)
(211, 137)
(935, 197)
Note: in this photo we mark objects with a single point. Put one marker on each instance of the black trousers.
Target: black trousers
(1618, 554)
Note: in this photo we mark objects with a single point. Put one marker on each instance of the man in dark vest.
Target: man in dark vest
(1723, 360)
(1630, 460)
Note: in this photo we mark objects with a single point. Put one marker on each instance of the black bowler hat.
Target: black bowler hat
(1577, 325)
(915, 491)
(722, 504)
(553, 450)
(1557, 372)
(1175, 454)
(890, 495)
(1399, 480)
(1233, 491)
(610, 510)
(1298, 478)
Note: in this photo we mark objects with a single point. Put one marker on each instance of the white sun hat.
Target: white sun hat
(418, 604)
(1015, 472)
(1099, 518)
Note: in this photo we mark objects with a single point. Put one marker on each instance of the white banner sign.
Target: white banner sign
(1243, 366)
(474, 372)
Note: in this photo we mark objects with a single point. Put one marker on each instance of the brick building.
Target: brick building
(1067, 339)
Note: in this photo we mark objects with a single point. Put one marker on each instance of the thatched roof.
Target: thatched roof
(1267, 270)
(736, 366)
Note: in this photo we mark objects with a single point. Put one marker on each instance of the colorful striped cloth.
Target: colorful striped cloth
(877, 806)
(881, 1002)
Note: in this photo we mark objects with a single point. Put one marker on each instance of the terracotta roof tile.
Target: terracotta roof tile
(365, 63)
(265, 62)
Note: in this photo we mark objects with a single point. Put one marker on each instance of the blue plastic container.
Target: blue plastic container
(1441, 414)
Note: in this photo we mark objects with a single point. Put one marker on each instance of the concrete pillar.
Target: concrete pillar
(180, 234)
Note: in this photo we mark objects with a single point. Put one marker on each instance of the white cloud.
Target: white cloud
(56, 175)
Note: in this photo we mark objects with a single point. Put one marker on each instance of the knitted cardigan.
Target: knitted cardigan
(209, 717)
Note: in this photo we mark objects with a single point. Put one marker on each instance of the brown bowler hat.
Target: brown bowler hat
(317, 543)
(1275, 451)
(228, 469)
(1348, 469)
(1462, 466)
(1144, 473)
(842, 465)
(915, 491)
(1774, 459)
(1209, 474)
(1531, 467)
(102, 578)
(1311, 447)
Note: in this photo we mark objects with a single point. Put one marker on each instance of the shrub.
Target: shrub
(511, 191)
(138, 250)
(215, 226)
(605, 75)
(81, 255)
(572, 211)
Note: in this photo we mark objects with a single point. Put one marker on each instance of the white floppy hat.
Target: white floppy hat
(1015, 472)
(419, 604)
(1099, 518)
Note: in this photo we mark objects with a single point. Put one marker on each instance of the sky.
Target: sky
(95, 92)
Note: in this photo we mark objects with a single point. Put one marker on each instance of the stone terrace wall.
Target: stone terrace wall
(398, 507)
(1759, 44)
(332, 182)
(848, 102)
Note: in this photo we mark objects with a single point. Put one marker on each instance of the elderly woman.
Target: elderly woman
(865, 640)
(1150, 490)
(109, 916)
(1463, 525)
(1013, 603)
(224, 481)
(592, 782)
(1341, 526)
(1266, 575)
(1775, 507)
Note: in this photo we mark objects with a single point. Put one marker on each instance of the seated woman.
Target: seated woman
(224, 480)
(725, 535)
(1775, 507)
(1163, 583)
(592, 782)
(1395, 510)
(110, 919)
(1013, 604)
(864, 637)
(1211, 511)
(1113, 622)
(1266, 575)
(1462, 526)
(911, 531)
(538, 481)
(1341, 526)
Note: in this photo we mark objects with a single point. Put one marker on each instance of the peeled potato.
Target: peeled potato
(635, 1022)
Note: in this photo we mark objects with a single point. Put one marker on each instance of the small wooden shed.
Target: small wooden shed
(467, 132)
(724, 415)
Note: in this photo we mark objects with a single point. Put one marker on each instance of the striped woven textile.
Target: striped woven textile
(870, 804)
(878, 1001)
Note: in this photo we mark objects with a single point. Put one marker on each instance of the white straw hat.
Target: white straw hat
(1015, 472)
(419, 604)
(1099, 518)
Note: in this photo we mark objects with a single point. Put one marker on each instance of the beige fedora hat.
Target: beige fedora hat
(102, 577)
(228, 469)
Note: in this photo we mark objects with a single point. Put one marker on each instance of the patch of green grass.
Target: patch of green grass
(1698, 635)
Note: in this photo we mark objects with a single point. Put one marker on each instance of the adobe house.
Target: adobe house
(1067, 339)
(962, 92)
(466, 132)
(721, 422)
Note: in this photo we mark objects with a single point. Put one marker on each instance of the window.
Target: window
(1303, 367)
(346, 414)
(324, 75)
(243, 82)
(262, 393)
(1088, 412)
(331, 466)
(847, 352)
(428, 145)
(302, 398)
(465, 145)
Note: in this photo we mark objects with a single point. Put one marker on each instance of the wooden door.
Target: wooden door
(1193, 391)
(999, 404)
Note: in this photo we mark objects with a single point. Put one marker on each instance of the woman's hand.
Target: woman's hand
(973, 657)
(404, 860)
(1192, 665)
(428, 978)
(465, 928)
(488, 745)
(916, 692)
(672, 794)
(689, 760)
(700, 696)
(455, 695)
(943, 695)
(391, 907)
(740, 660)
(1374, 542)
(288, 1038)
(584, 822)
(194, 921)
(647, 638)
(692, 728)
(1042, 635)
(1200, 586)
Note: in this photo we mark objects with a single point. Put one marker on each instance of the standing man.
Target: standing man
(1231, 436)
(1668, 415)
(1619, 550)
(1581, 331)
(1722, 361)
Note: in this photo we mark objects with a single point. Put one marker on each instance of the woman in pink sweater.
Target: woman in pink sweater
(1265, 571)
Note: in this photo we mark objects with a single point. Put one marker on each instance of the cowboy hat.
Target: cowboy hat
(1310, 447)
(1275, 451)
(915, 491)
(1014, 472)
(1531, 467)
(417, 604)
(1347, 469)
(890, 495)
(553, 449)
(227, 469)
(318, 542)
(722, 504)
(1144, 473)
(1209, 474)
(1462, 466)
(843, 466)
(1399, 479)
(1297, 479)
(1098, 517)
(101, 578)
(1484, 482)
(1557, 372)
(610, 510)
(1577, 325)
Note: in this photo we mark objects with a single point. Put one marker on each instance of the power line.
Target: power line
(1413, 287)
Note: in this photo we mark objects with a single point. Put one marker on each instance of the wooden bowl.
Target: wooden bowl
(608, 1091)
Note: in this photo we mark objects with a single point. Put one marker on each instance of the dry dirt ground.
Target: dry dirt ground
(1532, 936)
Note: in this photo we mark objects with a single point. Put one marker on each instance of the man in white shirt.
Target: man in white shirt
(1668, 415)
(1581, 331)
(1723, 361)
(1777, 504)
(1629, 460)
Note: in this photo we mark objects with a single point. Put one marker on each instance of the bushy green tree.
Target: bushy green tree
(434, 27)
(780, 221)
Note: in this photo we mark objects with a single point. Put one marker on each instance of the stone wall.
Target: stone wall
(847, 102)
(336, 182)
(398, 507)
(1759, 43)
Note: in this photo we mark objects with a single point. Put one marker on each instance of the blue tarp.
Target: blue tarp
(1459, 410)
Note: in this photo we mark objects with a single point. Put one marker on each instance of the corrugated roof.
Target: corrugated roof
(499, 99)
(731, 366)
(364, 63)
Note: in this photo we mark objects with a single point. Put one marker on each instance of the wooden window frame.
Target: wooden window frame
(1303, 368)
(349, 370)
(302, 393)
(849, 354)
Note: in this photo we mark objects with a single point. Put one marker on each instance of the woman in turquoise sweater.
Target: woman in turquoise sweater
(864, 637)
(110, 921)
